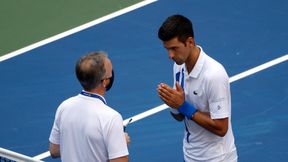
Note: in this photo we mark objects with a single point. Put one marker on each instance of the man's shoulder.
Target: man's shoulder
(213, 65)
(69, 100)
(214, 71)
(110, 112)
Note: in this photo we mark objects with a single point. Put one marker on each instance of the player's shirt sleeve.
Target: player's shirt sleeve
(219, 95)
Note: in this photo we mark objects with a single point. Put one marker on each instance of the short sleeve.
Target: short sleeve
(55, 132)
(219, 95)
(114, 138)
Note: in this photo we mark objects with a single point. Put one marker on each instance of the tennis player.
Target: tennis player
(200, 96)
(85, 127)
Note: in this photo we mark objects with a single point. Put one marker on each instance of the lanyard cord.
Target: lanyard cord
(93, 96)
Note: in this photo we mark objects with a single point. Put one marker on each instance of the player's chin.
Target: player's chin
(178, 62)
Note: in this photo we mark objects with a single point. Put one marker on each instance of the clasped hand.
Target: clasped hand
(174, 98)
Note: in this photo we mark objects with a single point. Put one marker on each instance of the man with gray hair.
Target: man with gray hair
(85, 127)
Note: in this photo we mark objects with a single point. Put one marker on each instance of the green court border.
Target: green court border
(24, 22)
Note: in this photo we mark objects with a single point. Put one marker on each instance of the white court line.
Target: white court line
(164, 106)
(258, 68)
(75, 30)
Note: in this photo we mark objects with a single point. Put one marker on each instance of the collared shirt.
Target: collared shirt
(88, 130)
(207, 88)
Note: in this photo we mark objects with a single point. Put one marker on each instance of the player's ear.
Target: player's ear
(190, 41)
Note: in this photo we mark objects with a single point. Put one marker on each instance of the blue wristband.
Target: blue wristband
(187, 110)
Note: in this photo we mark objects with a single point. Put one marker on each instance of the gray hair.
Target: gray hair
(90, 69)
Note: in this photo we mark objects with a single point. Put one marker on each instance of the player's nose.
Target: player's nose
(171, 54)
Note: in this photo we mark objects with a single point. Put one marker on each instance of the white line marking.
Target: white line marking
(146, 113)
(75, 30)
(164, 106)
(258, 68)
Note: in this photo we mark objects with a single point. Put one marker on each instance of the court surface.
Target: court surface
(240, 34)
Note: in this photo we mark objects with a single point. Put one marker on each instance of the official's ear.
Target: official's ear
(105, 82)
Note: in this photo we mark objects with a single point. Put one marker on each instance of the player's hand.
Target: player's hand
(171, 97)
(127, 137)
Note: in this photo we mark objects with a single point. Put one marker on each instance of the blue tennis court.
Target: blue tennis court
(240, 34)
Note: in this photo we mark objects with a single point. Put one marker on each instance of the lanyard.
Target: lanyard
(178, 78)
(182, 81)
(94, 96)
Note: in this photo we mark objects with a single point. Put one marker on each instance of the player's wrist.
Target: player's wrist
(187, 110)
(174, 111)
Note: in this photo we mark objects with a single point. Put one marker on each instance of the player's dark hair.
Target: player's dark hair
(90, 69)
(176, 26)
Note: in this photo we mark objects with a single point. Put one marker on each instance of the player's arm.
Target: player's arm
(216, 126)
(178, 117)
(218, 91)
(176, 114)
(54, 150)
(120, 159)
(175, 99)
